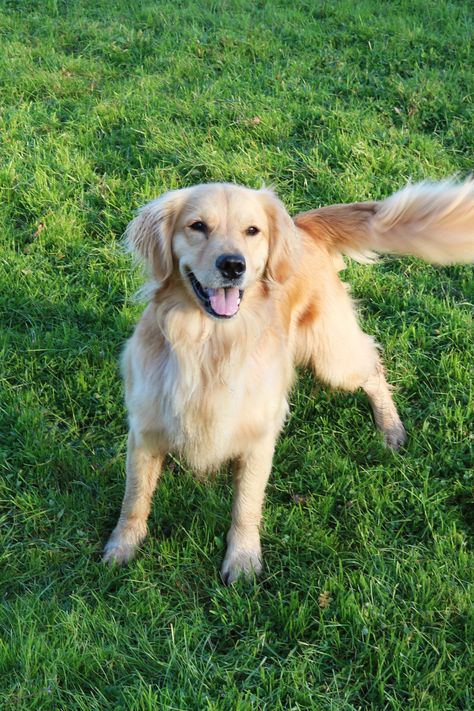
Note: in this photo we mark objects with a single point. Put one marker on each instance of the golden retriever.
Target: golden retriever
(240, 293)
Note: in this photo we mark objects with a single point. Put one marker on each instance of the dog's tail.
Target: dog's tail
(433, 221)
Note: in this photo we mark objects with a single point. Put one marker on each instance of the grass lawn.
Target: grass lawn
(367, 599)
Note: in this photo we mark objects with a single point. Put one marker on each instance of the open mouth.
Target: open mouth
(223, 302)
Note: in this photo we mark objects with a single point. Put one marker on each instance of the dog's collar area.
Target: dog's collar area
(223, 302)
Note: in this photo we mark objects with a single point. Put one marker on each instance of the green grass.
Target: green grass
(103, 106)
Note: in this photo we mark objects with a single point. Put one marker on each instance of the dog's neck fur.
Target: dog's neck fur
(211, 342)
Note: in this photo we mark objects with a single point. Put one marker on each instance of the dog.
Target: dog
(239, 295)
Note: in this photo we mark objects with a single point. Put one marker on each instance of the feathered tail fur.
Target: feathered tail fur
(433, 221)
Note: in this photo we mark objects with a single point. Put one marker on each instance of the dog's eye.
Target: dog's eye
(252, 230)
(199, 226)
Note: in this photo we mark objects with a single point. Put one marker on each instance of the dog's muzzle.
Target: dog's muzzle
(220, 302)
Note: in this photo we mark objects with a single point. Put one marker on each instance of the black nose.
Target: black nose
(231, 266)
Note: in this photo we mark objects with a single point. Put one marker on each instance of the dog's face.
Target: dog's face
(219, 239)
(220, 242)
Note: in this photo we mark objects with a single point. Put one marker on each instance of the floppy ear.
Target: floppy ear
(150, 234)
(283, 235)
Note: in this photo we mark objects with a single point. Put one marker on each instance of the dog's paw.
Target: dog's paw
(241, 560)
(122, 546)
(116, 553)
(395, 437)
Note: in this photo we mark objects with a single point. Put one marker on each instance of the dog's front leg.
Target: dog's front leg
(243, 539)
(143, 472)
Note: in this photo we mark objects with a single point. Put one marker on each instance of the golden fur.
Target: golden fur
(213, 389)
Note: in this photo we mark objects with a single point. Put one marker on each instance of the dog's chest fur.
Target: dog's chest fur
(210, 398)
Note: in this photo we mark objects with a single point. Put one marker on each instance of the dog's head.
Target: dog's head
(218, 239)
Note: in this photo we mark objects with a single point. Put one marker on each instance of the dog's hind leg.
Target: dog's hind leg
(143, 472)
(346, 358)
(386, 416)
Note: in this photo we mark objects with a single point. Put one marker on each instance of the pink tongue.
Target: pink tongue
(225, 302)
